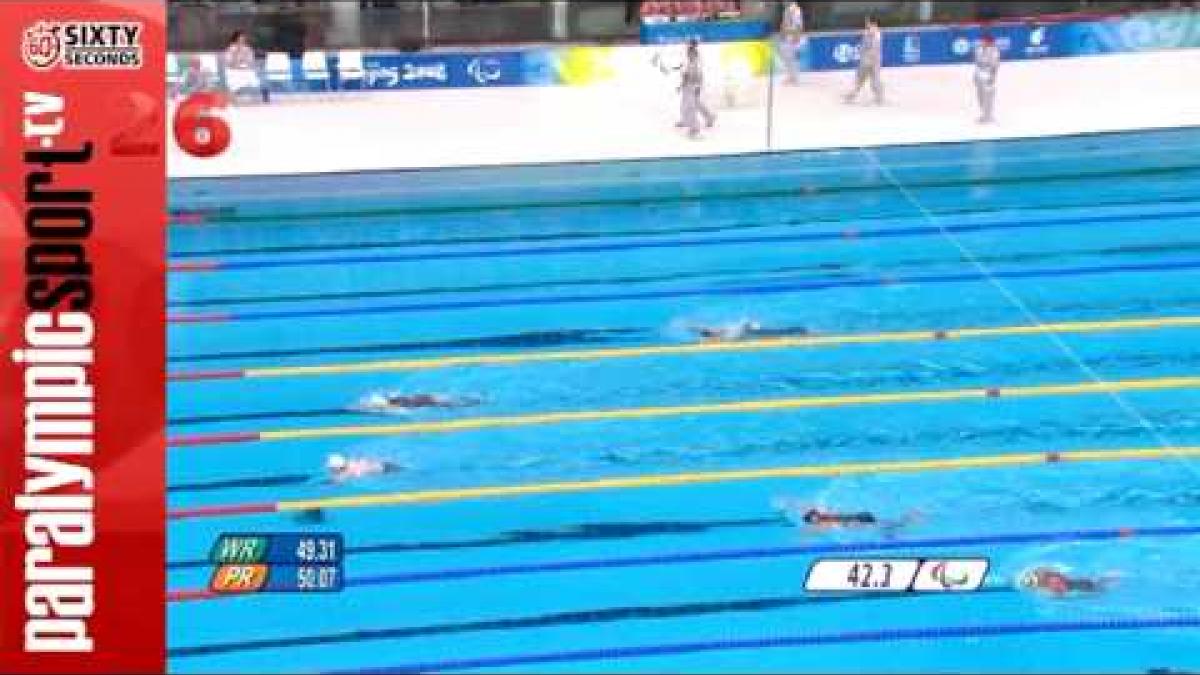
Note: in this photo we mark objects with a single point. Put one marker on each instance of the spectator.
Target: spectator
(194, 79)
(240, 70)
(656, 12)
(689, 10)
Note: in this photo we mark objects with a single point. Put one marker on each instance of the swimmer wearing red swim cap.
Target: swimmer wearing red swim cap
(1057, 583)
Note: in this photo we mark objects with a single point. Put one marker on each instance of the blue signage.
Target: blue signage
(704, 31)
(954, 44)
(929, 45)
(942, 45)
(1135, 34)
(434, 70)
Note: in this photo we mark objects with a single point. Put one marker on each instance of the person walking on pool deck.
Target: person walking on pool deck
(691, 86)
(792, 40)
(987, 65)
(870, 61)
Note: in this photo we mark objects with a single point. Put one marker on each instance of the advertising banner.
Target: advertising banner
(704, 31)
(940, 45)
(434, 70)
(1147, 32)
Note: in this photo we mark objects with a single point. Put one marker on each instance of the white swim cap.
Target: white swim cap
(336, 462)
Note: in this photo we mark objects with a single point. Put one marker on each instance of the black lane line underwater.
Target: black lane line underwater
(833, 270)
(550, 338)
(807, 219)
(585, 532)
(557, 619)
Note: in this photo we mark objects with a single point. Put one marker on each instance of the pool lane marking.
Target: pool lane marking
(652, 412)
(1180, 206)
(805, 284)
(730, 554)
(691, 478)
(593, 616)
(882, 635)
(695, 348)
(225, 212)
(216, 264)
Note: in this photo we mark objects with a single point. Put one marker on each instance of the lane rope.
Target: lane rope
(213, 264)
(579, 617)
(813, 341)
(655, 412)
(994, 278)
(725, 555)
(1182, 208)
(691, 478)
(768, 288)
(775, 642)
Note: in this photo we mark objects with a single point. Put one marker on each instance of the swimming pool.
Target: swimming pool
(950, 318)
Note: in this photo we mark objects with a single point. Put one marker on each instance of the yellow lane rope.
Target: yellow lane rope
(444, 426)
(668, 480)
(737, 346)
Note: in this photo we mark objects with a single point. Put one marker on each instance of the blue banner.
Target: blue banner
(930, 45)
(942, 45)
(434, 70)
(1135, 34)
(704, 31)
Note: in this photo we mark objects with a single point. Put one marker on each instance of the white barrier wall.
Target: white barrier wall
(635, 118)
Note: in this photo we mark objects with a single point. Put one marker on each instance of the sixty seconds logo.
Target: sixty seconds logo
(83, 45)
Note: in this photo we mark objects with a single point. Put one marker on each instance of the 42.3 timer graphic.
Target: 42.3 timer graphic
(896, 575)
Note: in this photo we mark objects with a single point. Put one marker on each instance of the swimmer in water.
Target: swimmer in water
(341, 468)
(736, 331)
(820, 519)
(1052, 581)
(743, 330)
(384, 402)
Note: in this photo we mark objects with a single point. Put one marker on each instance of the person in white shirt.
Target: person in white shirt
(240, 73)
(341, 468)
(870, 62)
(691, 86)
(792, 40)
(987, 66)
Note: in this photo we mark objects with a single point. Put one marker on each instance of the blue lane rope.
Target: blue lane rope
(882, 635)
(754, 289)
(687, 242)
(770, 552)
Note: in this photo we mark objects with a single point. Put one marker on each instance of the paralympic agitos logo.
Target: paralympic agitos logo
(83, 45)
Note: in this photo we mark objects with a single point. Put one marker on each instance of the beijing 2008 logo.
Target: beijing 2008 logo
(42, 47)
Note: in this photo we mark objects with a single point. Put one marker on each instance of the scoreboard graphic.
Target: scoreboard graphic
(277, 563)
(905, 575)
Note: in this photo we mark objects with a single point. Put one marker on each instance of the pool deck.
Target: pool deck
(438, 128)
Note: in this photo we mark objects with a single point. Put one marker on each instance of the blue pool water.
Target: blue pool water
(706, 576)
